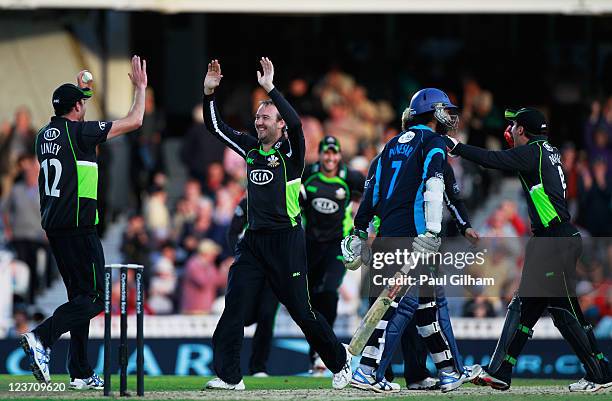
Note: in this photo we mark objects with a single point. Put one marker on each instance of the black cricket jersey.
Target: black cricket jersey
(68, 178)
(274, 177)
(539, 168)
(326, 202)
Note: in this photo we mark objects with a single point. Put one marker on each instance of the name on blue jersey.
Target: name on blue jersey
(401, 149)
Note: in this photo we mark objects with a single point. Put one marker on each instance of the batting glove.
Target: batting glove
(355, 250)
(426, 243)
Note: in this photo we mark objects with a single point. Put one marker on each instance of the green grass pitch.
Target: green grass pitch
(170, 387)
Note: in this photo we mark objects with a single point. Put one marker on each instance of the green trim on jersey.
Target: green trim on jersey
(268, 153)
(77, 168)
(292, 192)
(88, 179)
(347, 222)
(541, 201)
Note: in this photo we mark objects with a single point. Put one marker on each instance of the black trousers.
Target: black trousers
(325, 274)
(548, 282)
(263, 312)
(80, 260)
(280, 259)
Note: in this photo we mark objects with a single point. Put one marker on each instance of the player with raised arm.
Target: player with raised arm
(68, 187)
(549, 271)
(273, 246)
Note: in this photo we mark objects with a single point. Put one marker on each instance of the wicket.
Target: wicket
(123, 348)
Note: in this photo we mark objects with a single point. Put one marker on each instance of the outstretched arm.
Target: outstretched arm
(287, 112)
(516, 159)
(237, 141)
(133, 120)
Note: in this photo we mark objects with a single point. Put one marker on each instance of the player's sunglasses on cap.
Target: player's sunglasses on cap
(329, 143)
(68, 95)
(532, 120)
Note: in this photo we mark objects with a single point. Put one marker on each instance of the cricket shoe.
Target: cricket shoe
(487, 379)
(428, 383)
(587, 386)
(450, 381)
(39, 356)
(94, 382)
(472, 371)
(218, 384)
(342, 378)
(364, 381)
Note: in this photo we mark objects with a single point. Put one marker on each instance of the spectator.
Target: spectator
(135, 244)
(215, 178)
(157, 215)
(199, 149)
(22, 222)
(202, 280)
(303, 101)
(145, 149)
(16, 140)
(478, 307)
(595, 196)
(21, 324)
(163, 283)
(570, 173)
(201, 228)
(598, 131)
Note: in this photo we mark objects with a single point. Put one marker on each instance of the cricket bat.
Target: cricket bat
(375, 313)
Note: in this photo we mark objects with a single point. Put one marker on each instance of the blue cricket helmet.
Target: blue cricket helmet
(432, 99)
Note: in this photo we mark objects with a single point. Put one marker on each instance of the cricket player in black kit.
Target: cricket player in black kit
(548, 279)
(273, 246)
(328, 188)
(263, 312)
(68, 185)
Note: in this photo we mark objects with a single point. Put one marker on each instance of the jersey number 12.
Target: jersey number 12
(58, 174)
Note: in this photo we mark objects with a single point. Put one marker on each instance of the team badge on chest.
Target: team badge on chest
(272, 161)
(340, 193)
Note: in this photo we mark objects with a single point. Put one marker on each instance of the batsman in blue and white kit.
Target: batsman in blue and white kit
(407, 194)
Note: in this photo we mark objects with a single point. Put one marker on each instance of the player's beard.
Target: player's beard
(266, 136)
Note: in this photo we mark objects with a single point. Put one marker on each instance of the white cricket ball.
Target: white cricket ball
(87, 76)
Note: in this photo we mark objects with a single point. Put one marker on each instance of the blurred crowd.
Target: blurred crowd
(184, 241)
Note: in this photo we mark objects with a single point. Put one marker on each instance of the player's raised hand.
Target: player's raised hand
(213, 77)
(265, 79)
(81, 83)
(138, 76)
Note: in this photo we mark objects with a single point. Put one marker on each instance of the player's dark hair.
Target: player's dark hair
(423, 118)
(63, 109)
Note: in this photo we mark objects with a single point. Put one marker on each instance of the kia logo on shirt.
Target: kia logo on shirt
(261, 177)
(51, 134)
(325, 206)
